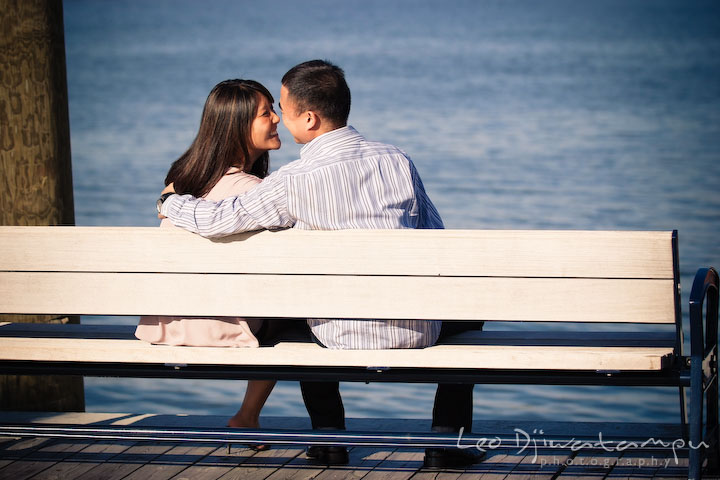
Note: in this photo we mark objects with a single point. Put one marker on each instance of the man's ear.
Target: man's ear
(312, 120)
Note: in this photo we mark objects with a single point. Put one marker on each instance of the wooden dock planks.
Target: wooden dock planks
(45, 459)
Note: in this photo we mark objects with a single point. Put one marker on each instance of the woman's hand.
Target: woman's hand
(169, 189)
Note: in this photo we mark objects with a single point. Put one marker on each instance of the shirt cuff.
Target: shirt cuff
(165, 208)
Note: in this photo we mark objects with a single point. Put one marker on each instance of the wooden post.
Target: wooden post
(35, 167)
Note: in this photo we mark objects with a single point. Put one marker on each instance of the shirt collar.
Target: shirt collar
(330, 139)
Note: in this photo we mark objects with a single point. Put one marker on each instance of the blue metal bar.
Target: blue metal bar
(679, 340)
(670, 377)
(516, 439)
(679, 334)
(704, 286)
(712, 432)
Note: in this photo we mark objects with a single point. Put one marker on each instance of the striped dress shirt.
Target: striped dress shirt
(341, 181)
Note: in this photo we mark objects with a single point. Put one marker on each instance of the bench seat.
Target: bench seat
(603, 351)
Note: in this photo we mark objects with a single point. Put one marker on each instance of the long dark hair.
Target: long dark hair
(222, 139)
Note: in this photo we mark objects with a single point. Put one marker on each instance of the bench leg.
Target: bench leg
(696, 421)
(684, 420)
(713, 466)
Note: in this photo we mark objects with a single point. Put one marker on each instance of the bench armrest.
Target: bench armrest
(705, 286)
(703, 366)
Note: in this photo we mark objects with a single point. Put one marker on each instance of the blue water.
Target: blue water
(518, 114)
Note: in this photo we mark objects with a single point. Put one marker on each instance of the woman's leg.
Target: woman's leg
(257, 391)
(256, 394)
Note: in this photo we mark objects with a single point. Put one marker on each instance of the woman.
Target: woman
(228, 157)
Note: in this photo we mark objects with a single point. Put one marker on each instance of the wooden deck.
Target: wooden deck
(42, 458)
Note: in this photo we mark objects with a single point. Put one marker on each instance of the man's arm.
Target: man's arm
(263, 207)
(428, 214)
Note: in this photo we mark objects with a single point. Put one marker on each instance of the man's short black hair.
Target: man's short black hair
(320, 86)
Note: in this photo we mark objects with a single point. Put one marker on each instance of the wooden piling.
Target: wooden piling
(35, 166)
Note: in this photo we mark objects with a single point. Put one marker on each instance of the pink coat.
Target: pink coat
(205, 332)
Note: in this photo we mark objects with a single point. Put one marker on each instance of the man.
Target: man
(341, 181)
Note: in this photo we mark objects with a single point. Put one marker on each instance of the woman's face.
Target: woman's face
(263, 131)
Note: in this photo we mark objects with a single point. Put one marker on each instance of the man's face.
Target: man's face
(293, 120)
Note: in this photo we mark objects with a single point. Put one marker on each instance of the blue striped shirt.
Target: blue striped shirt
(341, 181)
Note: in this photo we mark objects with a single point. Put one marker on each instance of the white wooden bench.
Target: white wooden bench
(583, 278)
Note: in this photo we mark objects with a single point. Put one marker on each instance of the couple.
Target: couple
(341, 181)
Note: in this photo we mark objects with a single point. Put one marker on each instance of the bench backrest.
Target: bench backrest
(565, 276)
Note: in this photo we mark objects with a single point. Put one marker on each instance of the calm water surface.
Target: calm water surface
(518, 114)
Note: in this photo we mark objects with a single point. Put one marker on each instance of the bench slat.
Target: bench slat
(505, 253)
(584, 337)
(327, 296)
(308, 354)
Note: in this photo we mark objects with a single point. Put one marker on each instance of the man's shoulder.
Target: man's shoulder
(365, 153)
(370, 147)
(348, 144)
(366, 150)
(362, 151)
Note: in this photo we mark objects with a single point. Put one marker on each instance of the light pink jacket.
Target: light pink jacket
(205, 332)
